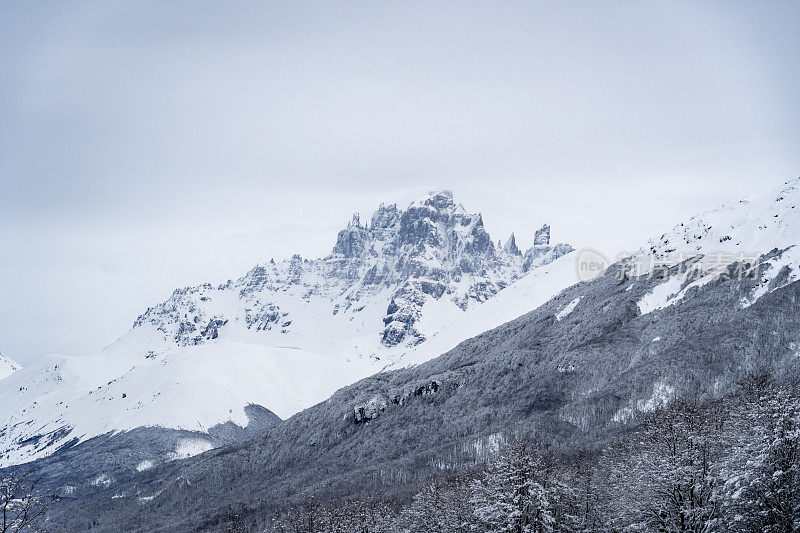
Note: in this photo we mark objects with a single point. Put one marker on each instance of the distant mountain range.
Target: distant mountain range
(284, 336)
(692, 313)
(574, 371)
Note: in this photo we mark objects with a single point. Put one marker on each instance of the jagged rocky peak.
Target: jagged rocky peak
(542, 236)
(352, 241)
(385, 217)
(435, 222)
(440, 199)
(510, 247)
(439, 222)
(397, 262)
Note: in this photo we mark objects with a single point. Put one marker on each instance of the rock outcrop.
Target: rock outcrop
(399, 261)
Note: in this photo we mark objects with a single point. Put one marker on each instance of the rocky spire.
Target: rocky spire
(542, 236)
(385, 217)
(510, 247)
(440, 199)
(351, 241)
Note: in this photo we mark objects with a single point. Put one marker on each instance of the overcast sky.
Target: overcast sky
(151, 145)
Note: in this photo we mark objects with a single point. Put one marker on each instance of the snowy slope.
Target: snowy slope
(285, 335)
(747, 227)
(191, 388)
(7, 366)
(736, 232)
(523, 296)
(741, 230)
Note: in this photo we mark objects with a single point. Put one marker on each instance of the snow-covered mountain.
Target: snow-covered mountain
(574, 370)
(749, 226)
(7, 366)
(736, 232)
(710, 241)
(285, 335)
(388, 283)
(398, 290)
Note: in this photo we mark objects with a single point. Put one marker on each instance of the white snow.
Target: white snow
(662, 394)
(735, 230)
(144, 465)
(189, 448)
(191, 388)
(7, 366)
(570, 307)
(523, 296)
(768, 270)
(103, 480)
(661, 296)
(145, 499)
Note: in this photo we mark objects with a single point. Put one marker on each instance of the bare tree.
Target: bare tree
(660, 476)
(442, 506)
(761, 470)
(21, 507)
(236, 519)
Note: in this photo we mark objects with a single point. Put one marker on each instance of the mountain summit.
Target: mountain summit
(590, 361)
(376, 284)
(284, 336)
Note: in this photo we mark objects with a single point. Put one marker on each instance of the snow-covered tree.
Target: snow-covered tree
(440, 507)
(578, 502)
(693, 466)
(20, 506)
(512, 496)
(661, 476)
(761, 471)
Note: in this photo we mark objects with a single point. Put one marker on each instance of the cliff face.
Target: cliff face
(395, 264)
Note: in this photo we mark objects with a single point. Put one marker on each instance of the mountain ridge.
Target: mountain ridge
(284, 335)
(8, 366)
(579, 366)
(573, 371)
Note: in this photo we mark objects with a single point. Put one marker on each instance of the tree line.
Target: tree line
(695, 465)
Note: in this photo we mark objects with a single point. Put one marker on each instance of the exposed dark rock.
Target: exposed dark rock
(432, 250)
(542, 236)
